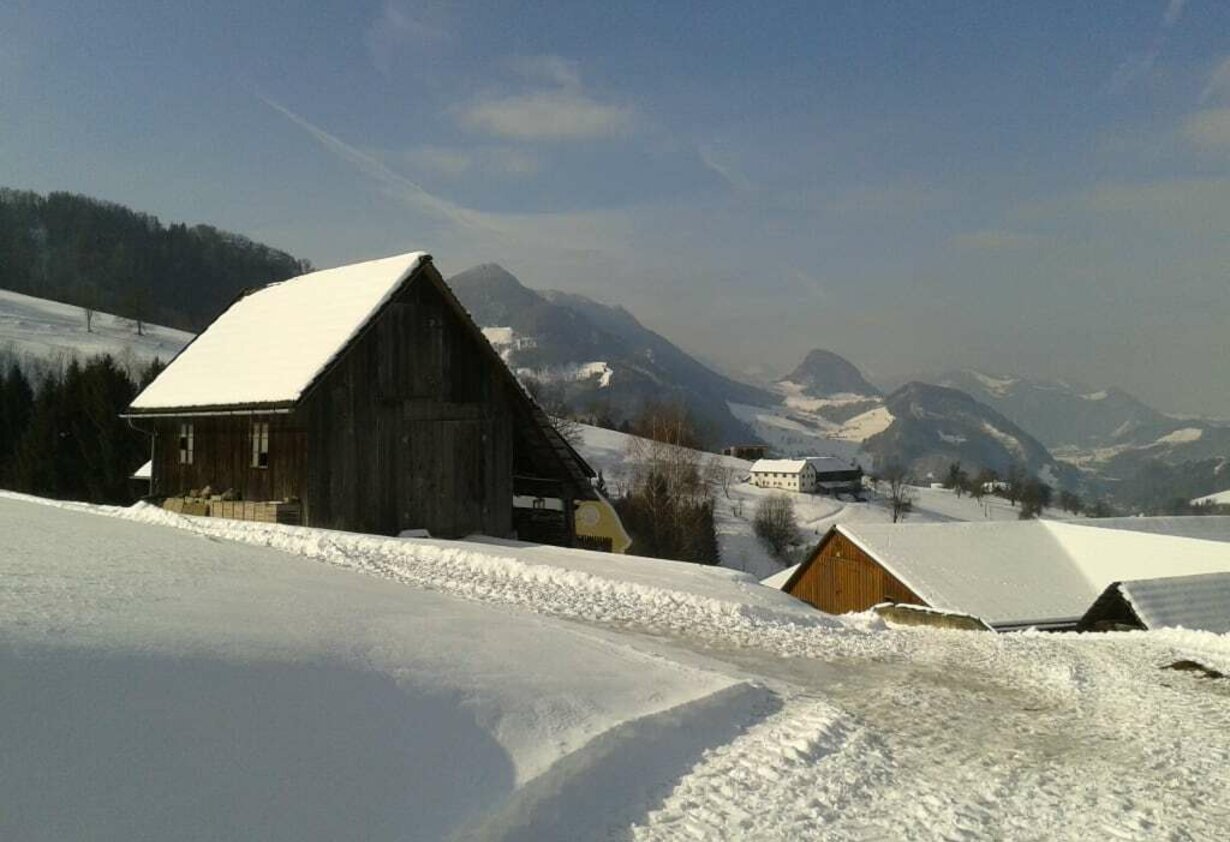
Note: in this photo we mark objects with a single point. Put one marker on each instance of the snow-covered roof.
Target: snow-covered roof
(1205, 527)
(779, 579)
(270, 345)
(146, 471)
(1023, 573)
(1200, 602)
(829, 464)
(778, 466)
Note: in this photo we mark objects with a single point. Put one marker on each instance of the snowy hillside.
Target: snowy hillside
(172, 677)
(607, 450)
(37, 332)
(1221, 498)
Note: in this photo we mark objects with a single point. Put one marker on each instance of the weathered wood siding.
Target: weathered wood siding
(222, 457)
(842, 578)
(411, 428)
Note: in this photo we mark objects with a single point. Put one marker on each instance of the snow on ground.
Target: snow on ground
(181, 683)
(49, 332)
(570, 373)
(1183, 436)
(157, 677)
(1221, 498)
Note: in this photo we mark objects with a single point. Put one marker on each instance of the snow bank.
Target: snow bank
(563, 582)
(162, 686)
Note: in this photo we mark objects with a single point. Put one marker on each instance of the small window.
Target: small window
(186, 444)
(260, 444)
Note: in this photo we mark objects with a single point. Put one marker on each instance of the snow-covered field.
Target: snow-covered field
(741, 550)
(189, 678)
(48, 332)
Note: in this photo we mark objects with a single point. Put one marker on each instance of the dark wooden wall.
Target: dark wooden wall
(222, 457)
(412, 428)
(842, 578)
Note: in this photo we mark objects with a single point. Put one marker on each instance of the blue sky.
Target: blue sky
(1040, 188)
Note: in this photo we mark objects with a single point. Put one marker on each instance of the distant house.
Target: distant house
(1199, 602)
(810, 475)
(750, 452)
(361, 398)
(1010, 575)
(836, 476)
(784, 474)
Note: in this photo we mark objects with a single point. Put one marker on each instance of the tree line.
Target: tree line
(62, 436)
(103, 256)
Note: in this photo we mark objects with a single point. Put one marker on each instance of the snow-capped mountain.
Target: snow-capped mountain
(934, 426)
(1063, 414)
(601, 356)
(824, 374)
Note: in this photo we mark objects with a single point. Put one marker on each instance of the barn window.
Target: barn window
(185, 444)
(260, 444)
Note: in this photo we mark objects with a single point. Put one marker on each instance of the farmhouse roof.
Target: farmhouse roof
(1191, 602)
(829, 464)
(270, 345)
(778, 466)
(1016, 574)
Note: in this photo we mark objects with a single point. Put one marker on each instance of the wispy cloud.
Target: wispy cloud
(397, 28)
(456, 162)
(573, 239)
(1141, 64)
(1174, 10)
(1208, 130)
(547, 115)
(993, 240)
(556, 108)
(1218, 85)
(393, 182)
(717, 160)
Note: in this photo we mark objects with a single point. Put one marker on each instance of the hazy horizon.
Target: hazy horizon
(1032, 189)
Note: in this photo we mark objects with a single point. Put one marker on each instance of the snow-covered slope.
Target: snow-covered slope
(607, 450)
(1221, 498)
(39, 333)
(171, 677)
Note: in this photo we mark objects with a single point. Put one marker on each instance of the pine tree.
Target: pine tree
(16, 405)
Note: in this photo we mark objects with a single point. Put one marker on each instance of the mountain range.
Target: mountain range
(602, 362)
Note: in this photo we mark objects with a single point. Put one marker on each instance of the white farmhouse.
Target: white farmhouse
(785, 474)
(809, 475)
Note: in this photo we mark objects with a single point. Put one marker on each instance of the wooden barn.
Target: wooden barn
(361, 398)
(1009, 575)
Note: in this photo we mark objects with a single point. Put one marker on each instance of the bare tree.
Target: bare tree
(89, 305)
(668, 501)
(550, 397)
(775, 525)
(897, 490)
(719, 474)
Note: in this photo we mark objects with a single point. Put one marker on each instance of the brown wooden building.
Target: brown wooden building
(361, 398)
(841, 577)
(1041, 574)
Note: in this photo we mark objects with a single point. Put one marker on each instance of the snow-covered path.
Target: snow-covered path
(864, 733)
